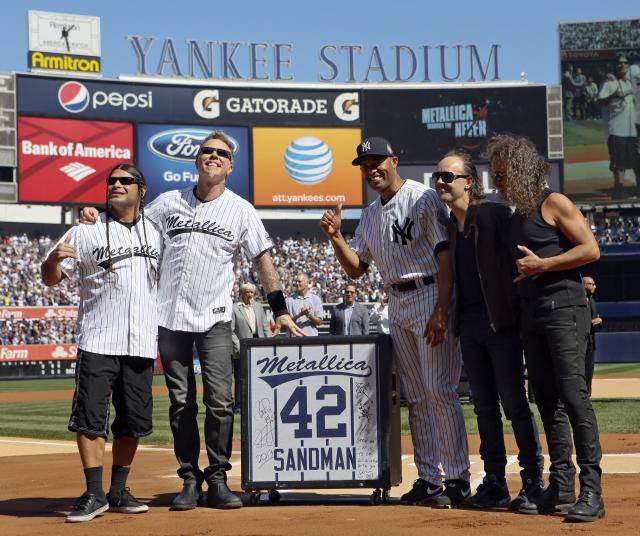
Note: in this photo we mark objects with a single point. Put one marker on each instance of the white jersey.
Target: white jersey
(401, 235)
(200, 242)
(118, 308)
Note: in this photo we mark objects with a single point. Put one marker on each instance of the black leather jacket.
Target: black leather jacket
(489, 223)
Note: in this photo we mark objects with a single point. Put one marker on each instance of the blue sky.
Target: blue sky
(526, 31)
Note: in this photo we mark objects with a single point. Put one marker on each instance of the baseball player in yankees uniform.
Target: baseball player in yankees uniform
(204, 227)
(117, 264)
(401, 233)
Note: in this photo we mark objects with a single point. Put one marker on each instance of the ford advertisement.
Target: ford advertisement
(166, 155)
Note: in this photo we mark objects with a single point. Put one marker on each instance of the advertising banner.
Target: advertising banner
(66, 161)
(294, 167)
(166, 155)
(422, 125)
(37, 313)
(600, 63)
(179, 103)
(38, 352)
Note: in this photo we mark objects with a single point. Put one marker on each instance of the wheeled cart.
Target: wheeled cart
(320, 412)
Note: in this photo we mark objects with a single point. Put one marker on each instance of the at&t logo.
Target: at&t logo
(308, 160)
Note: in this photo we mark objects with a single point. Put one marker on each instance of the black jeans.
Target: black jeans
(555, 342)
(589, 364)
(494, 368)
(214, 349)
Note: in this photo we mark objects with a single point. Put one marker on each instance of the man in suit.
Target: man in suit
(596, 323)
(248, 321)
(349, 317)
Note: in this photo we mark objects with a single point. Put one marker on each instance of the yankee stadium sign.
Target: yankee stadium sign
(232, 60)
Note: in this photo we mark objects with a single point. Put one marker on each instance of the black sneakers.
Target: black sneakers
(87, 507)
(527, 499)
(455, 493)
(422, 492)
(549, 501)
(590, 507)
(492, 493)
(125, 503)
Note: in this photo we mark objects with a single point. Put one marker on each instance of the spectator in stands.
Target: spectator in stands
(349, 317)
(596, 323)
(305, 307)
(248, 321)
(380, 315)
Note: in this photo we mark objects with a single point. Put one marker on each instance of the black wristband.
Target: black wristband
(277, 303)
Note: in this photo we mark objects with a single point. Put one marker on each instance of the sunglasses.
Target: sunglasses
(125, 181)
(215, 150)
(623, 63)
(447, 176)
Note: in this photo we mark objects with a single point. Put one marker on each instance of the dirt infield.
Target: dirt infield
(37, 490)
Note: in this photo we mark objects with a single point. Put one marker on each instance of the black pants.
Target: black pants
(237, 393)
(214, 349)
(494, 368)
(555, 343)
(589, 364)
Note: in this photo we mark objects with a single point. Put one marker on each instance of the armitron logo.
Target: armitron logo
(181, 145)
(347, 107)
(63, 62)
(73, 97)
(206, 103)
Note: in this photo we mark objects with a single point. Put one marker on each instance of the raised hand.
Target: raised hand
(331, 220)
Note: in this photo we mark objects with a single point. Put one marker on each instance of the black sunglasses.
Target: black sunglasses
(216, 150)
(125, 181)
(447, 176)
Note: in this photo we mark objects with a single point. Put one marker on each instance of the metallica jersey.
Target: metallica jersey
(201, 240)
(401, 235)
(118, 307)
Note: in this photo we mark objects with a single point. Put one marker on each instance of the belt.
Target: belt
(414, 284)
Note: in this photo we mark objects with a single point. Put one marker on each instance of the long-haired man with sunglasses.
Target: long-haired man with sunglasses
(204, 227)
(116, 261)
(401, 233)
(486, 319)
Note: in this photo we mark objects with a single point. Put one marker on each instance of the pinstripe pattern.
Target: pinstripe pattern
(429, 375)
(200, 241)
(118, 312)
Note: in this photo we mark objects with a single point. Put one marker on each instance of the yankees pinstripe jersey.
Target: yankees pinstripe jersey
(118, 308)
(400, 235)
(200, 242)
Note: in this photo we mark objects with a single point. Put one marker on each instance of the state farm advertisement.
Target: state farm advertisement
(38, 352)
(37, 313)
(67, 160)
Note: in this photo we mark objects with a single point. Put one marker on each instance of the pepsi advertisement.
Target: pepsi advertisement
(166, 155)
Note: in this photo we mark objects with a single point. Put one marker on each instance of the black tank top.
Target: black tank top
(549, 290)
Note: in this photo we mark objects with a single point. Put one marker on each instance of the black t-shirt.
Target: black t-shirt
(468, 281)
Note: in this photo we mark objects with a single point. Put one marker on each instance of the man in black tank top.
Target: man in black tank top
(486, 320)
(550, 240)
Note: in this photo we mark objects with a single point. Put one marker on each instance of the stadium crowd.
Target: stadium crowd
(599, 35)
(21, 285)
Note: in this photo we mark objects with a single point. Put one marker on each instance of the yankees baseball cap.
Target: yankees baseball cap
(372, 147)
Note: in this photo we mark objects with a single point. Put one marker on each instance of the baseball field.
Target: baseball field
(42, 476)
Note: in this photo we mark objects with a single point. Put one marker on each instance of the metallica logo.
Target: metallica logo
(176, 226)
(402, 232)
(277, 370)
(103, 256)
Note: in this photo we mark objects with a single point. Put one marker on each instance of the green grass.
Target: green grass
(48, 419)
(583, 133)
(617, 368)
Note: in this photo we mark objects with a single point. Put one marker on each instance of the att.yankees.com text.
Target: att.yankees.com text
(305, 198)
